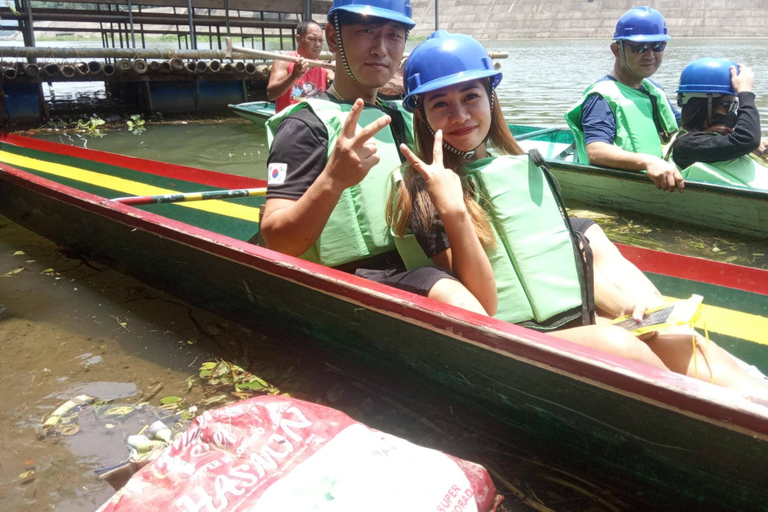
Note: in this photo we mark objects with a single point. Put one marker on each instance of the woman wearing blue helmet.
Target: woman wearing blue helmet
(716, 99)
(494, 222)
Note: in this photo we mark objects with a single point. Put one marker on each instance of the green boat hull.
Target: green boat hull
(256, 112)
(733, 209)
(687, 445)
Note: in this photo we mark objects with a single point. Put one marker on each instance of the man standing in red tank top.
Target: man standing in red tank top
(292, 82)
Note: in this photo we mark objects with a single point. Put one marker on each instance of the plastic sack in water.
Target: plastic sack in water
(274, 453)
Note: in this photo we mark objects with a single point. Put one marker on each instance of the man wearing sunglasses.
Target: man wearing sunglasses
(624, 118)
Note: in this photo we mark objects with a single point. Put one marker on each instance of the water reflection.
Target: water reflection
(543, 79)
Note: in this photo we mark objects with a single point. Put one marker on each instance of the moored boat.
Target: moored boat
(734, 209)
(636, 426)
(256, 112)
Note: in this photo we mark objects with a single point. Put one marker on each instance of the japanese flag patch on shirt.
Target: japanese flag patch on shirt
(277, 174)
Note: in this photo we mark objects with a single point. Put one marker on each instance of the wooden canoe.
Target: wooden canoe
(728, 208)
(683, 442)
(256, 112)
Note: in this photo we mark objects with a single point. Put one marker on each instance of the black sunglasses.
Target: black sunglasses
(644, 47)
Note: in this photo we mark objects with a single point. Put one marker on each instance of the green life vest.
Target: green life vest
(534, 262)
(357, 226)
(745, 171)
(633, 111)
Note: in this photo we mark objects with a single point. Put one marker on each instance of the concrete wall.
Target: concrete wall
(530, 19)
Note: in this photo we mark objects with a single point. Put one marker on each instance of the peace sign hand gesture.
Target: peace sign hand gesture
(443, 185)
(354, 153)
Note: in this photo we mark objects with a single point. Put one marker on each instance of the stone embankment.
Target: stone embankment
(531, 19)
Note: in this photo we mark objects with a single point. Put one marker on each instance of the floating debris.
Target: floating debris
(55, 418)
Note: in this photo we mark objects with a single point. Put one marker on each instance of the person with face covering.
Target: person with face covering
(470, 203)
(624, 117)
(291, 82)
(720, 137)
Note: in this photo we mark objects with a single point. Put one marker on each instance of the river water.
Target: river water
(69, 326)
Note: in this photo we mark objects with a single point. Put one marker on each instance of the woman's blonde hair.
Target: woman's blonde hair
(411, 198)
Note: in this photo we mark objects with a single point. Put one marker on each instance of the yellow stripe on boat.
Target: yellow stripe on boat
(730, 322)
(237, 211)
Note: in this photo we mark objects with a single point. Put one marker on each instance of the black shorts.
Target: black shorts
(581, 225)
(419, 281)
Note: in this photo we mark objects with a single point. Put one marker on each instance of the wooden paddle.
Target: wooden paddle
(760, 157)
(274, 56)
(190, 196)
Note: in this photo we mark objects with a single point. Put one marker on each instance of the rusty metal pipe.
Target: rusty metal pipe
(176, 64)
(140, 66)
(124, 65)
(51, 69)
(32, 70)
(68, 70)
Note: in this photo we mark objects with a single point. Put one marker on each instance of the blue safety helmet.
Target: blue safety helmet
(641, 24)
(445, 59)
(394, 10)
(708, 76)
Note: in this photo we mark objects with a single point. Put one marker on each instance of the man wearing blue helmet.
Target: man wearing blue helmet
(623, 118)
(331, 156)
(716, 99)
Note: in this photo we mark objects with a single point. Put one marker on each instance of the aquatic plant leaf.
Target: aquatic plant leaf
(254, 383)
(213, 399)
(120, 410)
(70, 430)
(166, 400)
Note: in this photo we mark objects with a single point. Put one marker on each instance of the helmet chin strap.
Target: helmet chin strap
(464, 154)
(337, 27)
(624, 60)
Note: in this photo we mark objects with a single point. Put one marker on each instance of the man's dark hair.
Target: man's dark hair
(694, 113)
(303, 26)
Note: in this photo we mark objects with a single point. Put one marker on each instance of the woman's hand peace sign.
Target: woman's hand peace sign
(443, 185)
(354, 153)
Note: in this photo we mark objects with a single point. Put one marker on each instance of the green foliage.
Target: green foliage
(136, 124)
(91, 126)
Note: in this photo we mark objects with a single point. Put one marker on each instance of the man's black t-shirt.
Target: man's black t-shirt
(300, 149)
(301, 146)
(708, 148)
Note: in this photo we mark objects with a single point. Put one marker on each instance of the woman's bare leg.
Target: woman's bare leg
(709, 362)
(611, 339)
(618, 271)
(456, 294)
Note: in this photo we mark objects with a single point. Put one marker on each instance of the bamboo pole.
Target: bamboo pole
(231, 50)
(156, 53)
(113, 53)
